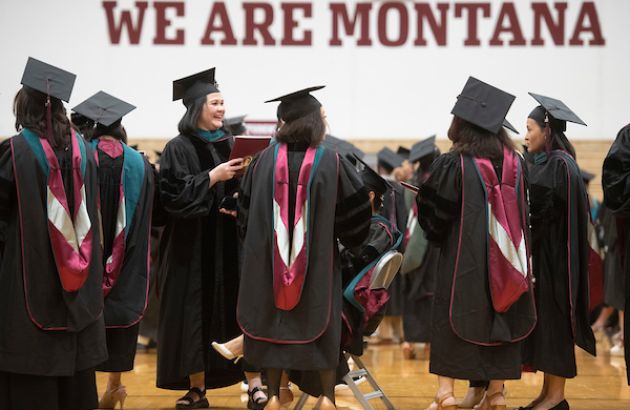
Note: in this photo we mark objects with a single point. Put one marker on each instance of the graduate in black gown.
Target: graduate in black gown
(473, 207)
(52, 334)
(296, 199)
(616, 183)
(560, 252)
(125, 181)
(419, 264)
(390, 166)
(148, 331)
(363, 307)
(199, 252)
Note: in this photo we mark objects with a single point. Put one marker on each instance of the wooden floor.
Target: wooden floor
(600, 385)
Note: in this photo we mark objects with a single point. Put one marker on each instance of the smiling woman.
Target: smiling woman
(199, 277)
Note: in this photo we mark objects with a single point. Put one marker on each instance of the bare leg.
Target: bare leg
(286, 395)
(197, 380)
(555, 392)
(603, 317)
(474, 395)
(114, 380)
(445, 387)
(495, 392)
(254, 381)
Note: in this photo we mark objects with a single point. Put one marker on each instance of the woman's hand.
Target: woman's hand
(231, 212)
(225, 171)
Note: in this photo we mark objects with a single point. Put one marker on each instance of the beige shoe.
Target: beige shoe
(112, 397)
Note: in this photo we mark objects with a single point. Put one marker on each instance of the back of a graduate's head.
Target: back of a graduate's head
(82, 124)
(309, 129)
(475, 141)
(376, 199)
(115, 130)
(29, 108)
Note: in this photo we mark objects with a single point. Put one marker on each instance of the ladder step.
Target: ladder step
(357, 373)
(373, 395)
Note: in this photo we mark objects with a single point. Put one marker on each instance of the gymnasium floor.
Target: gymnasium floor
(600, 385)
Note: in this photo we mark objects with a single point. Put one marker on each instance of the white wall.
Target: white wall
(372, 92)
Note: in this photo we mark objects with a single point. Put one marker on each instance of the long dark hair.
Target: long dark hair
(29, 108)
(557, 140)
(188, 124)
(116, 130)
(309, 129)
(475, 141)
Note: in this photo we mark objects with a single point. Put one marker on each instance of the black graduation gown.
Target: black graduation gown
(419, 285)
(616, 185)
(469, 339)
(559, 205)
(614, 275)
(58, 365)
(125, 304)
(307, 337)
(149, 323)
(199, 266)
(395, 210)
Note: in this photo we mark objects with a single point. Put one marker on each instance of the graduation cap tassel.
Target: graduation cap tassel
(49, 128)
(548, 134)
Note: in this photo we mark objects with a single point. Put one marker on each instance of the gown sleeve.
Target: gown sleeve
(616, 174)
(377, 243)
(353, 210)
(183, 194)
(439, 197)
(7, 189)
(547, 191)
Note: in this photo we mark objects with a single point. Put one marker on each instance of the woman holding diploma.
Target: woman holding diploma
(199, 272)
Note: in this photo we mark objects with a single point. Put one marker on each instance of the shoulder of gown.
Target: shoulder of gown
(353, 210)
(439, 196)
(184, 191)
(616, 174)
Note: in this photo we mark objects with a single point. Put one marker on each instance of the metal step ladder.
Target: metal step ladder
(363, 399)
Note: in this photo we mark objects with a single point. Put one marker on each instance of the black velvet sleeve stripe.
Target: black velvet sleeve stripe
(439, 198)
(434, 226)
(428, 194)
(347, 205)
(354, 231)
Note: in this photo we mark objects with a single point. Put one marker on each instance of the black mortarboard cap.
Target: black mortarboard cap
(371, 179)
(235, 125)
(586, 176)
(297, 104)
(194, 86)
(483, 105)
(234, 120)
(104, 109)
(403, 152)
(509, 126)
(389, 159)
(557, 110)
(48, 79)
(342, 147)
(422, 149)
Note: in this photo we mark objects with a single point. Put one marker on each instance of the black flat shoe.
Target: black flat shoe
(200, 403)
(563, 405)
(256, 404)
